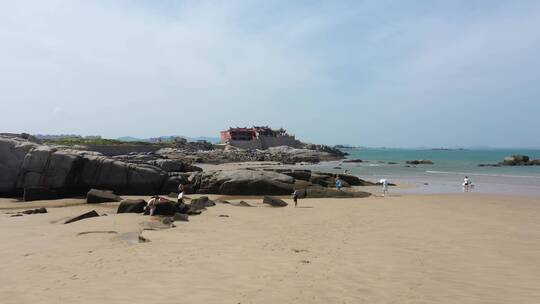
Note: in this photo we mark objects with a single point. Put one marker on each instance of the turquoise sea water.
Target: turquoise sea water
(447, 172)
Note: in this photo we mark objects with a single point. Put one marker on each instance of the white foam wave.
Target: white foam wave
(481, 174)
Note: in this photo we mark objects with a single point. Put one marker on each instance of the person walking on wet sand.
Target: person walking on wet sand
(295, 197)
(384, 187)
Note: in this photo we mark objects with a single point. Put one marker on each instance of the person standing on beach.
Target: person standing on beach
(295, 197)
(338, 183)
(384, 187)
(466, 184)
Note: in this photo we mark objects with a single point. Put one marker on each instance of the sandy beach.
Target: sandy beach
(460, 248)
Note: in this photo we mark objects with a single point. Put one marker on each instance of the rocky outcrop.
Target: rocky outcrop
(322, 192)
(519, 160)
(283, 154)
(353, 161)
(514, 160)
(419, 162)
(201, 203)
(25, 165)
(242, 182)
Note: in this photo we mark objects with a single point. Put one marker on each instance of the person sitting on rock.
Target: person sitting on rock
(181, 194)
(151, 205)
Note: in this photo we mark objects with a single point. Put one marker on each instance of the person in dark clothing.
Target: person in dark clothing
(295, 197)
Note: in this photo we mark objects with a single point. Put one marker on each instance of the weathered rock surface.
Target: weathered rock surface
(39, 193)
(131, 206)
(83, 216)
(519, 160)
(26, 164)
(321, 192)
(95, 196)
(243, 182)
(274, 202)
(201, 203)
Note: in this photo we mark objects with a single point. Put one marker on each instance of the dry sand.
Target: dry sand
(463, 248)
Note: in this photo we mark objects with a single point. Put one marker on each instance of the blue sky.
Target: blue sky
(374, 73)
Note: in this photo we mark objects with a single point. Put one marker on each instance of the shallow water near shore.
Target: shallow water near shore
(446, 174)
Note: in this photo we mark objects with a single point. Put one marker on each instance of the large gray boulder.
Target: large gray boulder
(131, 206)
(24, 164)
(96, 196)
(274, 201)
(243, 182)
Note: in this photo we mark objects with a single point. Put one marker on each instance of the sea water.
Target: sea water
(446, 174)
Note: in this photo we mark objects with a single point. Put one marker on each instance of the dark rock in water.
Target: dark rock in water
(95, 196)
(274, 202)
(519, 160)
(489, 165)
(83, 216)
(131, 206)
(39, 193)
(392, 163)
(321, 192)
(419, 162)
(223, 215)
(180, 217)
(353, 161)
(14, 215)
(201, 203)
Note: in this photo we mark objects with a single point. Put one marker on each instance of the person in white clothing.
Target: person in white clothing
(181, 193)
(384, 183)
(466, 184)
(151, 206)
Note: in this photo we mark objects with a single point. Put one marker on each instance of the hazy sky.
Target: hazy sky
(375, 73)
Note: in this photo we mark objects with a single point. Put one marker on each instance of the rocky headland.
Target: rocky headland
(40, 171)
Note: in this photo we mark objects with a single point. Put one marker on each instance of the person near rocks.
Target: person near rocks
(295, 197)
(181, 194)
(151, 205)
(338, 183)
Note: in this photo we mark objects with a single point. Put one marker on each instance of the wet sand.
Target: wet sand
(460, 248)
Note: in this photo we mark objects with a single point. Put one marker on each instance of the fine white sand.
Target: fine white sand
(463, 248)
